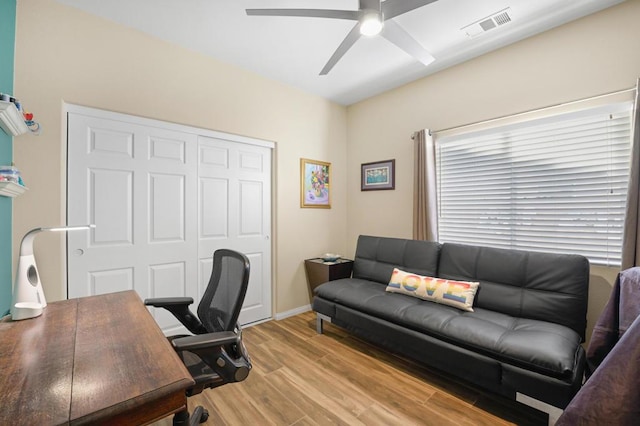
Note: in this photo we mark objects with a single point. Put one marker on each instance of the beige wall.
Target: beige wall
(595, 55)
(65, 55)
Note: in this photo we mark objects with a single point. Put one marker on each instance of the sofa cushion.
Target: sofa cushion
(542, 286)
(540, 346)
(376, 257)
(458, 294)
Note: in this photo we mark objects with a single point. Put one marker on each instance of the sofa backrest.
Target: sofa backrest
(542, 286)
(377, 256)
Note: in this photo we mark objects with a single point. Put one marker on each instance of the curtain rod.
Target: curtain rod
(619, 92)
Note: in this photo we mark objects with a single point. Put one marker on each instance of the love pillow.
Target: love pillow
(459, 294)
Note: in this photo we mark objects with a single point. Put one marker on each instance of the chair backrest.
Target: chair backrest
(220, 306)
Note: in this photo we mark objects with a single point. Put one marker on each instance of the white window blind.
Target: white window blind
(557, 184)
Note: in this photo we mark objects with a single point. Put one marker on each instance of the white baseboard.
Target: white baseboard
(292, 312)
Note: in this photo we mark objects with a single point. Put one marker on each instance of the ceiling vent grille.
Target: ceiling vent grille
(486, 24)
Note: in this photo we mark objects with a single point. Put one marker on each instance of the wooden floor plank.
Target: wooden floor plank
(304, 379)
(463, 412)
(282, 336)
(262, 361)
(256, 334)
(436, 380)
(369, 363)
(321, 406)
(271, 402)
(325, 383)
(378, 415)
(305, 421)
(235, 407)
(301, 326)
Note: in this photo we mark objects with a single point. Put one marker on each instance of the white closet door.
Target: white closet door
(137, 180)
(137, 184)
(235, 206)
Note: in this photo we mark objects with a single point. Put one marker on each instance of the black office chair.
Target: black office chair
(215, 355)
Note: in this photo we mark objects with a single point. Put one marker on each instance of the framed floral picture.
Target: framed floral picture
(315, 188)
(378, 175)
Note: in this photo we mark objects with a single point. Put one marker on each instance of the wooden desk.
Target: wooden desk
(93, 360)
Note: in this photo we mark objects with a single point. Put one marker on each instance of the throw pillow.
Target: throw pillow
(459, 294)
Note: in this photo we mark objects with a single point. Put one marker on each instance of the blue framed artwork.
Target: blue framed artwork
(378, 175)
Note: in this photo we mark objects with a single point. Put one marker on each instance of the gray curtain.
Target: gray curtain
(425, 207)
(631, 237)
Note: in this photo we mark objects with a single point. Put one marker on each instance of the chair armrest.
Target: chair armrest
(179, 307)
(160, 302)
(202, 341)
(222, 351)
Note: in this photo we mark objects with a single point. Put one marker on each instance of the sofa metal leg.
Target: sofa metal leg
(319, 319)
(553, 412)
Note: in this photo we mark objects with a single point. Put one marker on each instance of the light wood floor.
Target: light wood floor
(303, 378)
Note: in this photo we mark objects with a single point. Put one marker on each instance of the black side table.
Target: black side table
(319, 271)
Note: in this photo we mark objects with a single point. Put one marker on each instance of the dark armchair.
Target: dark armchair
(214, 354)
(610, 395)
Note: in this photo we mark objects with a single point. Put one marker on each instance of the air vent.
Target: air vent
(486, 24)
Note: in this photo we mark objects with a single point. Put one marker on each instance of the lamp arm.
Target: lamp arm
(26, 246)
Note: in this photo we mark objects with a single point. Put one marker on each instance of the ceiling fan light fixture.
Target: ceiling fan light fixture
(371, 24)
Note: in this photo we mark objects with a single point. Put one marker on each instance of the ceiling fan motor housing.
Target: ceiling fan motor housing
(371, 23)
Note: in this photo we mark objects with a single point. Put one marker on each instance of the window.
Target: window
(556, 184)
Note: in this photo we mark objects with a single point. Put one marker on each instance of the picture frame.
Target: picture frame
(315, 188)
(377, 176)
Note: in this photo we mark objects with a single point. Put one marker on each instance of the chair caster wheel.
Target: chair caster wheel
(204, 417)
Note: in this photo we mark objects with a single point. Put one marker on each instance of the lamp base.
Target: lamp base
(26, 310)
(27, 288)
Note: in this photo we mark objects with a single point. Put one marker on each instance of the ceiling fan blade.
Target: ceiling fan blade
(398, 36)
(393, 8)
(309, 13)
(346, 44)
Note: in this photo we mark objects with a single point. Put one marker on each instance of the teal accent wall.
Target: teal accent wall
(7, 47)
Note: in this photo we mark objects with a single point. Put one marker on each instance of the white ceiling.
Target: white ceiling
(293, 50)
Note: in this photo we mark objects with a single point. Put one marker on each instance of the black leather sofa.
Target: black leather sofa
(522, 340)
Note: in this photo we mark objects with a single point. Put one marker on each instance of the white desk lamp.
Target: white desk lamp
(28, 297)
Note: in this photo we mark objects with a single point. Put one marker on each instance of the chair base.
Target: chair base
(199, 415)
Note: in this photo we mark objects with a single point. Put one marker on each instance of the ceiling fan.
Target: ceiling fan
(373, 17)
